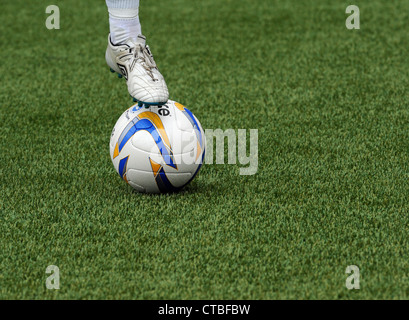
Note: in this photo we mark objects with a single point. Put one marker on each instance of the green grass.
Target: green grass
(331, 107)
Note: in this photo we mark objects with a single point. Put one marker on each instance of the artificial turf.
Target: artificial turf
(331, 108)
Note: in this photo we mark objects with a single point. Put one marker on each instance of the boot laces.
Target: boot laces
(143, 55)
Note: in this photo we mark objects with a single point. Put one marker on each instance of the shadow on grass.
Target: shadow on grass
(190, 189)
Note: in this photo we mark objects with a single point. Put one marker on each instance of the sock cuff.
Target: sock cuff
(123, 14)
(122, 4)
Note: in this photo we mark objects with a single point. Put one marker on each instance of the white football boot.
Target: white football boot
(135, 62)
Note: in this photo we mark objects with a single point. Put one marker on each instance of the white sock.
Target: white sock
(123, 20)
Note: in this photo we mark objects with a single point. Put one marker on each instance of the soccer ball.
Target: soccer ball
(157, 148)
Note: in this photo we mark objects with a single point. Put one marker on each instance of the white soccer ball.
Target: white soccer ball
(157, 148)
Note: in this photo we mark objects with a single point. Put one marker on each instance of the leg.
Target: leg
(124, 21)
(129, 56)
